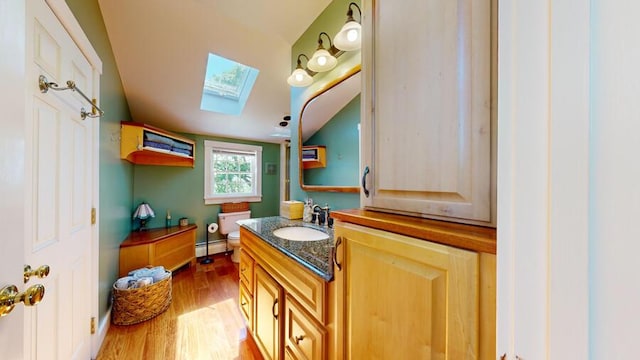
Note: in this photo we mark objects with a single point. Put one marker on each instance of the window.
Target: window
(227, 85)
(232, 172)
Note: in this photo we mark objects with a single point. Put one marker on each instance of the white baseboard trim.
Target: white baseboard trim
(214, 248)
(101, 334)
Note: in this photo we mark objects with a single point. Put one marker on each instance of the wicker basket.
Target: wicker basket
(235, 207)
(132, 306)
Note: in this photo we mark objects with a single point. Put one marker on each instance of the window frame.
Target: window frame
(255, 196)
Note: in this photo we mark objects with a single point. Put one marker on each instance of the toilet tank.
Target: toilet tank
(227, 221)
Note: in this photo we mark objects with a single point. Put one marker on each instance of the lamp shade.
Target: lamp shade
(144, 211)
(322, 60)
(299, 78)
(349, 38)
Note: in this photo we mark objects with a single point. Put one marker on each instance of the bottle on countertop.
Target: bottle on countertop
(168, 218)
(308, 210)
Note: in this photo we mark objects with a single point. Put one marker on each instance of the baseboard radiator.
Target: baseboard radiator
(215, 247)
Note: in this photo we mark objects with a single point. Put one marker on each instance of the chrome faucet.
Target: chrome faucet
(323, 215)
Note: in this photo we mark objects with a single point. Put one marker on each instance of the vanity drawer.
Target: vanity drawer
(304, 337)
(246, 269)
(245, 302)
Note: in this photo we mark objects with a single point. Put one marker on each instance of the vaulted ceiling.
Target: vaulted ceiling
(161, 49)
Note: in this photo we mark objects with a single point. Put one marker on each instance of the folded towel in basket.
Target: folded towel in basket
(124, 282)
(157, 273)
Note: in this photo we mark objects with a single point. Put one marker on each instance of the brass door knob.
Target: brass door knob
(9, 297)
(41, 272)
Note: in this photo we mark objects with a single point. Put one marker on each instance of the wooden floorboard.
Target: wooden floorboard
(203, 321)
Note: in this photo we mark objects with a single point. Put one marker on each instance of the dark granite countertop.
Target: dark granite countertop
(314, 255)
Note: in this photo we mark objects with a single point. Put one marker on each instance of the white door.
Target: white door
(58, 187)
(12, 99)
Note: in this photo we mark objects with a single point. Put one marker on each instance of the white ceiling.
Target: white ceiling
(161, 49)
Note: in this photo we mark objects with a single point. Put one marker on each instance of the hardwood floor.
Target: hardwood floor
(203, 321)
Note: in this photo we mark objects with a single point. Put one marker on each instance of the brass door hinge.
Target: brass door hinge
(93, 216)
(93, 325)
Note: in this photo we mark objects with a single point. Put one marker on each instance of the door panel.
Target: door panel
(59, 177)
(426, 116)
(430, 289)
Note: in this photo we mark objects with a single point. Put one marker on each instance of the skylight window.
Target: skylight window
(227, 85)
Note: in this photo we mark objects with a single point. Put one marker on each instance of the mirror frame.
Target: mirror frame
(329, 188)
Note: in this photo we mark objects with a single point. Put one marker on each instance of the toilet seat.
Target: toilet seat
(234, 238)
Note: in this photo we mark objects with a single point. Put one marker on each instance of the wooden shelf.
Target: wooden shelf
(136, 147)
(314, 156)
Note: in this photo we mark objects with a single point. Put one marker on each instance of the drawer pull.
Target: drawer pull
(243, 270)
(297, 339)
(244, 303)
(364, 181)
(335, 253)
(273, 308)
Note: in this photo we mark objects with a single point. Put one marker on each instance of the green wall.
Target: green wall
(329, 21)
(341, 137)
(116, 176)
(181, 189)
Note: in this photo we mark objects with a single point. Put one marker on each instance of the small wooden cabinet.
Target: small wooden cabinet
(170, 247)
(290, 315)
(147, 145)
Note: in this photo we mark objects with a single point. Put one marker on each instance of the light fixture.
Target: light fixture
(300, 76)
(349, 39)
(143, 212)
(322, 59)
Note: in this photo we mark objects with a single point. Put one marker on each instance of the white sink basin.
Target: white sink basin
(300, 233)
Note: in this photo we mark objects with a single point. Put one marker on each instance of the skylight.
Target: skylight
(227, 85)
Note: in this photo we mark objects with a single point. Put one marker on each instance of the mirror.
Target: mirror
(329, 137)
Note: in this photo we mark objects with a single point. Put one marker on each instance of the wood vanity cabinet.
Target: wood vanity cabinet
(290, 303)
(426, 107)
(406, 298)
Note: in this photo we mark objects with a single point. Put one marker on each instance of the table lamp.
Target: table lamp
(143, 212)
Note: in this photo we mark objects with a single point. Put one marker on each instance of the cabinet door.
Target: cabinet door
(426, 107)
(406, 298)
(268, 297)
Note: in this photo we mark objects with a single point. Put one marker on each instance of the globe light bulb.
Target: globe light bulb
(352, 35)
(298, 77)
(322, 61)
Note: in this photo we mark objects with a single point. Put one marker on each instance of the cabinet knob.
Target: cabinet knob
(297, 339)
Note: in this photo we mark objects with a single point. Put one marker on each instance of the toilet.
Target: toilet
(228, 226)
